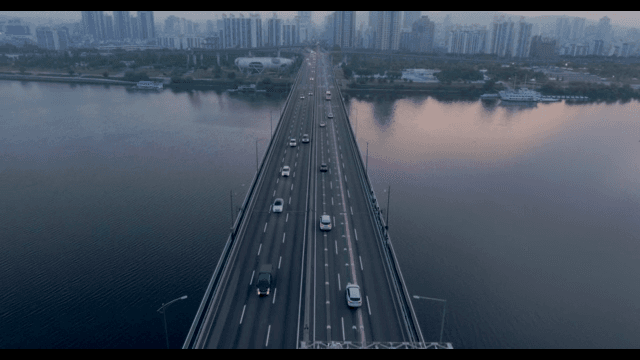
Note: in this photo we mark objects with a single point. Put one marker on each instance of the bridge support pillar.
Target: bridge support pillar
(218, 57)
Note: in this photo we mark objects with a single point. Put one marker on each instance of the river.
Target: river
(525, 219)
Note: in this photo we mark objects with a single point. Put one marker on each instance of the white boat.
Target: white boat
(524, 94)
(148, 85)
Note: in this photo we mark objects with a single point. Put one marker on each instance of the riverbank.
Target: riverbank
(75, 80)
(274, 86)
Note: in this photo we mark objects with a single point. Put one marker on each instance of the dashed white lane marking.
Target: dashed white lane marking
(368, 307)
(268, 331)
(339, 288)
(260, 248)
(274, 295)
(287, 215)
(274, 193)
(251, 281)
(360, 262)
(242, 316)
(283, 236)
(356, 233)
(265, 228)
(280, 261)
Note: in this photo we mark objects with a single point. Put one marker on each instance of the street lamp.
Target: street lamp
(163, 311)
(257, 152)
(444, 309)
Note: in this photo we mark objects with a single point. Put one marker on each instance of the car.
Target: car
(330, 115)
(324, 167)
(310, 94)
(285, 171)
(278, 205)
(311, 79)
(325, 222)
(292, 142)
(305, 138)
(322, 124)
(354, 298)
(301, 96)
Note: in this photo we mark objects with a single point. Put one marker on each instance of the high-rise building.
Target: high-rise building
(467, 40)
(502, 37)
(275, 31)
(255, 31)
(304, 27)
(15, 27)
(172, 25)
(421, 37)
(344, 29)
(93, 24)
(563, 29)
(109, 27)
(288, 33)
(211, 29)
(147, 25)
(122, 25)
(135, 28)
(577, 29)
(542, 48)
(604, 29)
(598, 48)
(388, 30)
(52, 39)
(522, 44)
(410, 17)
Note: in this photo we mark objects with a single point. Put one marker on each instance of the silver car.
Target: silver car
(278, 205)
(305, 138)
(285, 171)
(292, 142)
(325, 222)
(354, 299)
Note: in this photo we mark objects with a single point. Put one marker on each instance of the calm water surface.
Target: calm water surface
(526, 219)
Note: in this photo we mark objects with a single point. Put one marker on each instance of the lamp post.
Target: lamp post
(163, 311)
(366, 167)
(257, 153)
(444, 309)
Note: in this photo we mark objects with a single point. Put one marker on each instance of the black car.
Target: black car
(324, 167)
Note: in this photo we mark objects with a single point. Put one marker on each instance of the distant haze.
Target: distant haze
(620, 18)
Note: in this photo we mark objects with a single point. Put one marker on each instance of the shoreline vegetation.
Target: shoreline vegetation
(461, 90)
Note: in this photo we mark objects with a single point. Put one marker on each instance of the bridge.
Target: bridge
(307, 305)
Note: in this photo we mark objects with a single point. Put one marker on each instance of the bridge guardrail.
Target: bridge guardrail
(383, 234)
(231, 240)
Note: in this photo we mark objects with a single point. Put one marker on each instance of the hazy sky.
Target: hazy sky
(624, 18)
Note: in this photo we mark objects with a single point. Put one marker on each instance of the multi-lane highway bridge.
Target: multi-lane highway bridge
(307, 306)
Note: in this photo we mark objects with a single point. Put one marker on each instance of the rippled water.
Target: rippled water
(525, 219)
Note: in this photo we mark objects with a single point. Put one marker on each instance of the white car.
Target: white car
(354, 299)
(305, 138)
(310, 94)
(325, 222)
(285, 171)
(330, 115)
(292, 142)
(322, 124)
(278, 205)
(301, 96)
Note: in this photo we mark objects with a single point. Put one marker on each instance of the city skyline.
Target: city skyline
(619, 18)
